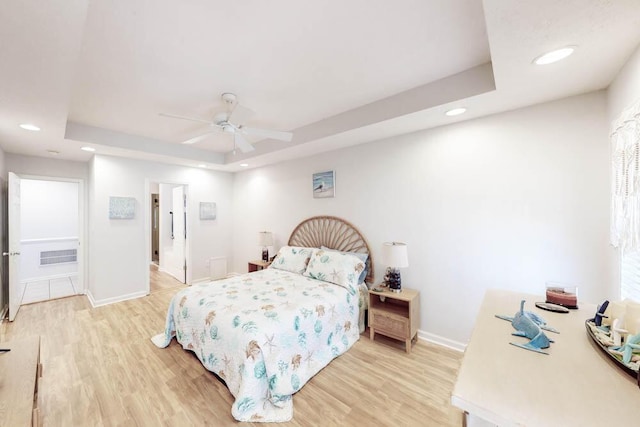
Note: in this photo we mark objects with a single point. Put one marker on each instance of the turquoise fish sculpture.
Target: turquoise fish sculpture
(631, 345)
(529, 325)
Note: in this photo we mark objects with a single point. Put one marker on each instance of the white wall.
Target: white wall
(508, 201)
(625, 88)
(42, 166)
(119, 249)
(48, 209)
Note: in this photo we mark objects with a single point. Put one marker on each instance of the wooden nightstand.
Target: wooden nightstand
(395, 315)
(258, 265)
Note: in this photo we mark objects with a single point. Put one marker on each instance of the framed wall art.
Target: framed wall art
(207, 210)
(122, 207)
(324, 184)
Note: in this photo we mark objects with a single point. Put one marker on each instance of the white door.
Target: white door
(15, 287)
(176, 261)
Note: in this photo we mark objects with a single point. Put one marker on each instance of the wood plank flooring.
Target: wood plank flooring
(101, 369)
(159, 280)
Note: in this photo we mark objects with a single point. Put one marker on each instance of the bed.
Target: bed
(268, 332)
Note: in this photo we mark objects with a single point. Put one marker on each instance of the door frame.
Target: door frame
(82, 224)
(147, 228)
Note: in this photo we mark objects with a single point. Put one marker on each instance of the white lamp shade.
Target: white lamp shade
(265, 238)
(394, 254)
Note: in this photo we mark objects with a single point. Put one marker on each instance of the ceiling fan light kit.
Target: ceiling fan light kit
(232, 121)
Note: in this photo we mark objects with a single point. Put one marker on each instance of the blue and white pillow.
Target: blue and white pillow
(335, 267)
(292, 258)
(362, 257)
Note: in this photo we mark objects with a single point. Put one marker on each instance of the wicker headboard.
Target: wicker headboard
(334, 233)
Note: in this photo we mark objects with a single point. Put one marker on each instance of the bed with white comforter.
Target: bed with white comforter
(266, 333)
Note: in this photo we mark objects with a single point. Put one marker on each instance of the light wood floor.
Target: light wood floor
(159, 280)
(101, 369)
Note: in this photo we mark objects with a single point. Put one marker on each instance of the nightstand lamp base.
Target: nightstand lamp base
(394, 254)
(394, 281)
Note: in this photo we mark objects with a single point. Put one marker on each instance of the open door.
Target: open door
(15, 287)
(176, 259)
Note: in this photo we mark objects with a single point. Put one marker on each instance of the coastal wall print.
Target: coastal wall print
(122, 208)
(207, 210)
(324, 184)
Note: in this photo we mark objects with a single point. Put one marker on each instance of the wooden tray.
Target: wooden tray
(619, 363)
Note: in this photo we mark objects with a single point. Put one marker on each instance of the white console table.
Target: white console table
(575, 385)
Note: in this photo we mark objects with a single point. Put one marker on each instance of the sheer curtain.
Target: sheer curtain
(625, 198)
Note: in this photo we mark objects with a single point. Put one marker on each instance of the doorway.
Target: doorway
(155, 228)
(49, 239)
(45, 229)
(168, 244)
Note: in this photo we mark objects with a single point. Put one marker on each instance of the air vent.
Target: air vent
(58, 257)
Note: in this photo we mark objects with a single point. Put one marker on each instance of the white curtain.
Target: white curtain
(625, 182)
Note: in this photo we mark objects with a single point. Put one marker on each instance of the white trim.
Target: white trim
(445, 342)
(49, 240)
(113, 300)
(200, 280)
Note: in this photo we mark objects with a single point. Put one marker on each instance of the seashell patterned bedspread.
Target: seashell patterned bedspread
(265, 334)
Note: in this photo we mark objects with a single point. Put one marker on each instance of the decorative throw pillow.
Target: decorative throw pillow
(335, 267)
(362, 257)
(292, 258)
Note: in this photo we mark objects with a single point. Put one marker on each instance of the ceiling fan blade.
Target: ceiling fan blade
(240, 114)
(265, 133)
(198, 138)
(193, 119)
(242, 143)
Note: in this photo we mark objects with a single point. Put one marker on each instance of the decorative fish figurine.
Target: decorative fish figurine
(597, 318)
(526, 325)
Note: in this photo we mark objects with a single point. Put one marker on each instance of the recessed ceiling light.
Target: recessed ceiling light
(456, 111)
(244, 165)
(90, 149)
(29, 126)
(202, 165)
(53, 152)
(554, 55)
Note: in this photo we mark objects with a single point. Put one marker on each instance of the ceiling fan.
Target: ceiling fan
(232, 121)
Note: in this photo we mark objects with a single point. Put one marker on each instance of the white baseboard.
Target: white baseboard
(107, 301)
(200, 280)
(445, 342)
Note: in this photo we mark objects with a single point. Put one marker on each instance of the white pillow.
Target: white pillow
(335, 267)
(292, 258)
(362, 257)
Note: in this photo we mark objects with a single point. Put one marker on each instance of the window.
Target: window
(625, 198)
(630, 276)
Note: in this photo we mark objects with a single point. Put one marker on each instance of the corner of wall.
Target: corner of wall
(624, 90)
(442, 341)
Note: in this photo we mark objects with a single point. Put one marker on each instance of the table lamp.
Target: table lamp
(394, 255)
(265, 239)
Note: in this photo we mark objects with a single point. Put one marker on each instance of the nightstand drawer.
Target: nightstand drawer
(390, 324)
